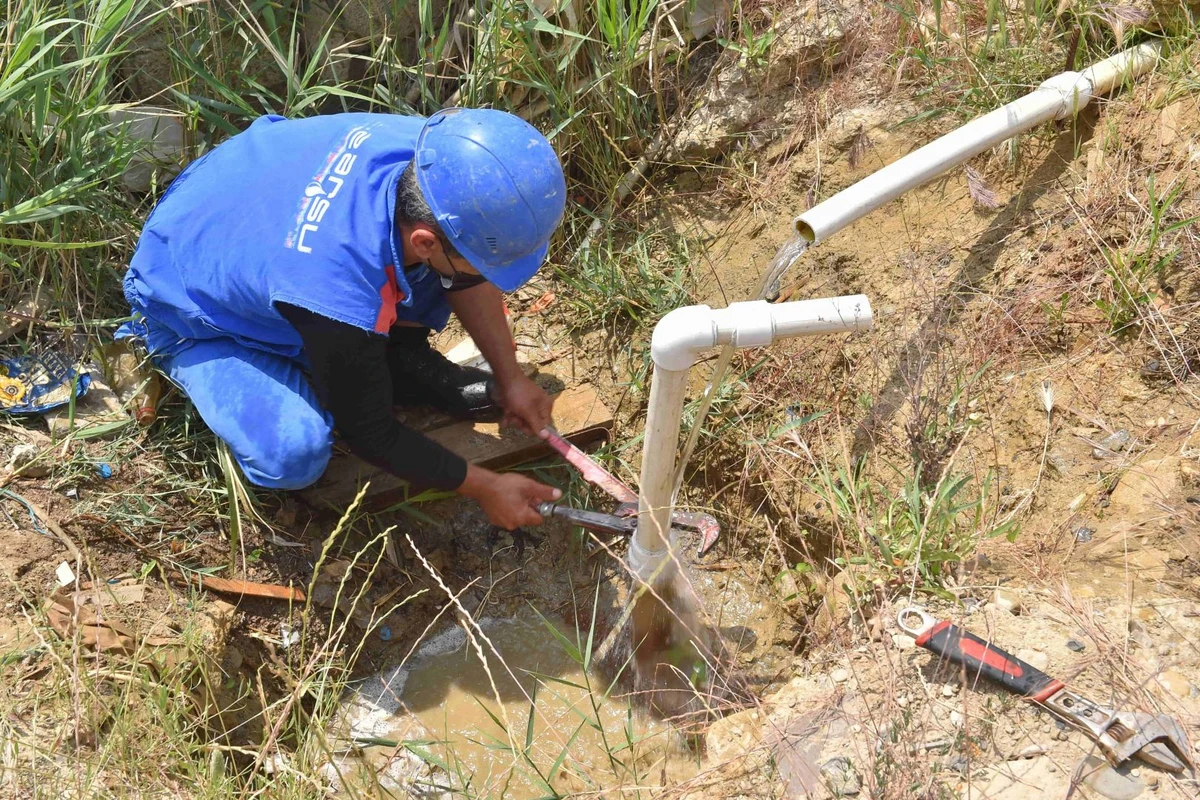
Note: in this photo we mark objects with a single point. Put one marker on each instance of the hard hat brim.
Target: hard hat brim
(513, 275)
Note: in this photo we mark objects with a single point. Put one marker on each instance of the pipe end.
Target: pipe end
(805, 230)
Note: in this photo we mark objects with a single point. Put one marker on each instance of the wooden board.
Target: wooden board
(579, 415)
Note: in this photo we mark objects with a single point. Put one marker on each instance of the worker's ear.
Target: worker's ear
(423, 241)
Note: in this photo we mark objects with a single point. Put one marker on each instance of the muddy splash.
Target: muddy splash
(524, 720)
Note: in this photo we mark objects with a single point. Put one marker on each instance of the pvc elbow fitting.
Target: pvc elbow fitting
(681, 336)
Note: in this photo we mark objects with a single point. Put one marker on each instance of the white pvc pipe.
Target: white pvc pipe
(679, 340)
(1057, 98)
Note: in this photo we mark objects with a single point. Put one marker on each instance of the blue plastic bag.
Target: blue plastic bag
(37, 382)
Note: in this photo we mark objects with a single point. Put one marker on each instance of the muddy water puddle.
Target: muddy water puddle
(551, 731)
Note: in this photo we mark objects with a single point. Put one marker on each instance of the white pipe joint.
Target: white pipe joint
(647, 565)
(685, 333)
(1074, 89)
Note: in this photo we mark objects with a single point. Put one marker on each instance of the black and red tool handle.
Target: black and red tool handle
(987, 660)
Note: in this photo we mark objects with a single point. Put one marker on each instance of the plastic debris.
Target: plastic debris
(37, 382)
(65, 575)
(288, 636)
(105, 471)
(72, 493)
(385, 633)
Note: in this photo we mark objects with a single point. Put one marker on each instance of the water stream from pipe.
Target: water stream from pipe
(785, 257)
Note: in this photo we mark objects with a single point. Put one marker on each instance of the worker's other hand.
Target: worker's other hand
(526, 405)
(509, 500)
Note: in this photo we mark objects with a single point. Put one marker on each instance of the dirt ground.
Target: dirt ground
(1101, 588)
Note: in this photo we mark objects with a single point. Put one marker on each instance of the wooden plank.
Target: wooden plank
(579, 415)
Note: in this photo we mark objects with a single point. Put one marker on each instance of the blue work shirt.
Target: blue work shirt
(293, 211)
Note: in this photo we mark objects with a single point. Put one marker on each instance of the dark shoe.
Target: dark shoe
(421, 376)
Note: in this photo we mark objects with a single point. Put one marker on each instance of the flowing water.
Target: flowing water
(530, 723)
(785, 257)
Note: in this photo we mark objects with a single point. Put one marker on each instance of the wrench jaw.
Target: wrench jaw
(1121, 735)
(705, 525)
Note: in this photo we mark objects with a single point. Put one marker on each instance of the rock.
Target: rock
(1083, 534)
(1175, 683)
(949, 690)
(839, 675)
(699, 18)
(746, 91)
(1144, 487)
(1111, 445)
(734, 736)
(903, 641)
(956, 718)
(1034, 658)
(1111, 782)
(1173, 17)
(160, 133)
(840, 777)
(1030, 751)
(22, 458)
(1189, 474)
(1007, 600)
(1076, 646)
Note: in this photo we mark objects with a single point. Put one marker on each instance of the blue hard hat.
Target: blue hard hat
(496, 188)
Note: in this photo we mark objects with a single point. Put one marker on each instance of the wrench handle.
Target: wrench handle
(984, 659)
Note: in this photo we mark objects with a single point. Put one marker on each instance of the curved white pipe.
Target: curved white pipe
(679, 340)
(1057, 98)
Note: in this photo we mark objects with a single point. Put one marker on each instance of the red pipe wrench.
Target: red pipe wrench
(1157, 740)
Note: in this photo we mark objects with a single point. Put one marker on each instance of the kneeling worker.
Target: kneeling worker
(288, 282)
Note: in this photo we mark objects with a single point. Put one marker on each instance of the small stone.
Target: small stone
(1111, 444)
(1034, 658)
(840, 777)
(949, 690)
(840, 675)
(956, 719)
(1007, 600)
(902, 701)
(1084, 534)
(1061, 736)
(23, 457)
(1175, 683)
(903, 641)
(1031, 751)
(1051, 768)
(1115, 784)
(1076, 646)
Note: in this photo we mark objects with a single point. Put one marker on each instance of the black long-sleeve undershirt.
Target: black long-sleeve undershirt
(348, 368)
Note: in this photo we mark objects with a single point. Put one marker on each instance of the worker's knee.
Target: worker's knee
(291, 462)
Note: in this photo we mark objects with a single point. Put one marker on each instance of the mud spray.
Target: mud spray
(663, 647)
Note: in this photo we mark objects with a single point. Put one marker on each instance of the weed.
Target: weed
(1134, 272)
(628, 277)
(908, 535)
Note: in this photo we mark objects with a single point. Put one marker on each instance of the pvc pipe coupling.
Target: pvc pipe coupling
(685, 333)
(647, 565)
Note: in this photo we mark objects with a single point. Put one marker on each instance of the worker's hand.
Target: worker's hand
(526, 405)
(508, 499)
